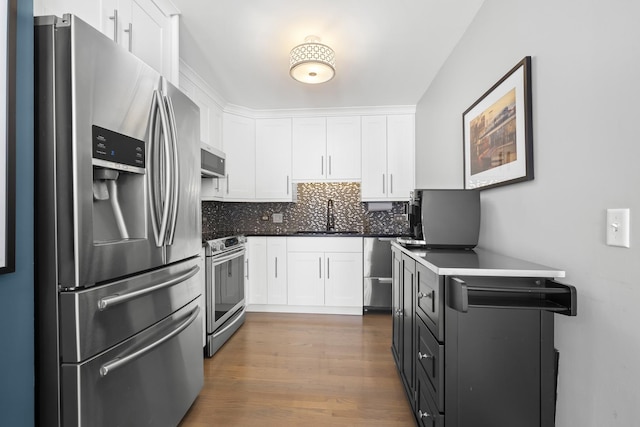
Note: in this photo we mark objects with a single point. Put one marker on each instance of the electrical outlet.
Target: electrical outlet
(618, 227)
(277, 218)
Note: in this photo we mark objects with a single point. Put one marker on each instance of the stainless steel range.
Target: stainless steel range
(224, 289)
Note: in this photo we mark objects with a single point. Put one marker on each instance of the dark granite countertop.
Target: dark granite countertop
(206, 236)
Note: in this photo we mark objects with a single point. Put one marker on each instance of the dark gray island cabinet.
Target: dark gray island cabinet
(473, 337)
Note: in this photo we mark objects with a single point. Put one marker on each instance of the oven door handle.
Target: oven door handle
(106, 302)
(221, 259)
(121, 361)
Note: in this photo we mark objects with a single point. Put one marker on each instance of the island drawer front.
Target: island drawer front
(430, 300)
(426, 411)
(430, 356)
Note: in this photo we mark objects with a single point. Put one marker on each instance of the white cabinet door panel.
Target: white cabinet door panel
(401, 156)
(273, 154)
(309, 149)
(277, 270)
(343, 148)
(239, 147)
(257, 274)
(305, 274)
(343, 279)
(374, 157)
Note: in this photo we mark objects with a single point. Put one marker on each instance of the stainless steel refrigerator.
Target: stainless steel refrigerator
(118, 235)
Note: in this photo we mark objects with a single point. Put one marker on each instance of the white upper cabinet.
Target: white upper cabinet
(273, 165)
(387, 157)
(239, 145)
(147, 28)
(309, 148)
(343, 148)
(324, 149)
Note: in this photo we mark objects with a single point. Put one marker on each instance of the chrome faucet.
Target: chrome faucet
(331, 219)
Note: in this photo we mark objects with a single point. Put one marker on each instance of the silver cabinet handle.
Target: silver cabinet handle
(246, 269)
(321, 165)
(391, 183)
(287, 185)
(329, 165)
(383, 191)
(130, 31)
(121, 361)
(276, 267)
(227, 183)
(423, 414)
(424, 356)
(114, 18)
(328, 272)
(320, 267)
(106, 302)
(423, 295)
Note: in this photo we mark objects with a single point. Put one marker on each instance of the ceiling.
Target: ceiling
(387, 51)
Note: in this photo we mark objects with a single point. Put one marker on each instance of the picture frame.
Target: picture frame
(8, 19)
(498, 132)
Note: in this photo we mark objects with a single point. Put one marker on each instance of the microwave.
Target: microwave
(444, 219)
(212, 162)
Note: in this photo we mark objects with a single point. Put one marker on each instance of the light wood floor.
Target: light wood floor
(303, 370)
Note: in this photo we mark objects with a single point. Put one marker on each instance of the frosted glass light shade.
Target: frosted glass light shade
(312, 62)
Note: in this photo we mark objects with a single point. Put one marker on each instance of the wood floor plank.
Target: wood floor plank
(303, 370)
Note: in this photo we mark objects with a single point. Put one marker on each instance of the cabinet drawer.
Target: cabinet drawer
(430, 356)
(426, 410)
(430, 300)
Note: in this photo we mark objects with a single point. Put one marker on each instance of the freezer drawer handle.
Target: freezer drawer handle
(550, 296)
(121, 361)
(106, 302)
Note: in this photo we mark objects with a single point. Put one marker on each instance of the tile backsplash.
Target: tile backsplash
(309, 213)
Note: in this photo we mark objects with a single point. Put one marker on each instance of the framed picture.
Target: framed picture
(498, 134)
(7, 135)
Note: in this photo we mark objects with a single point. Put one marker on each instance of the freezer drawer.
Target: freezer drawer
(151, 379)
(94, 319)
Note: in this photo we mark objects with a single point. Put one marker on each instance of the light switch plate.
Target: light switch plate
(618, 227)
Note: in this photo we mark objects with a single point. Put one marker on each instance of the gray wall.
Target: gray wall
(16, 289)
(586, 98)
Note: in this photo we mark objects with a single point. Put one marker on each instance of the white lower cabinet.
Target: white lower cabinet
(305, 274)
(325, 272)
(267, 275)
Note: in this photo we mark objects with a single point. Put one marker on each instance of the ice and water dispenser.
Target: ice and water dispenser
(119, 202)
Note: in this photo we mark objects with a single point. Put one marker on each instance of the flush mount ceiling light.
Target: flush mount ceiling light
(312, 62)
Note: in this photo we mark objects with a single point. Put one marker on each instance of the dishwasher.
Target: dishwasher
(377, 273)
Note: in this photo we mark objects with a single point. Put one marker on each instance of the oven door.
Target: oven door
(225, 286)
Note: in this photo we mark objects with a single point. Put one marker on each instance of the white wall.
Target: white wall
(586, 116)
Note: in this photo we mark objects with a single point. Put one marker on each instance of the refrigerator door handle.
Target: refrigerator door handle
(167, 171)
(123, 360)
(159, 202)
(175, 175)
(110, 301)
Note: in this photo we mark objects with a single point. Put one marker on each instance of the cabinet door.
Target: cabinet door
(257, 270)
(239, 147)
(305, 274)
(309, 149)
(374, 158)
(396, 274)
(343, 148)
(273, 149)
(400, 156)
(150, 36)
(277, 270)
(343, 279)
(408, 313)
